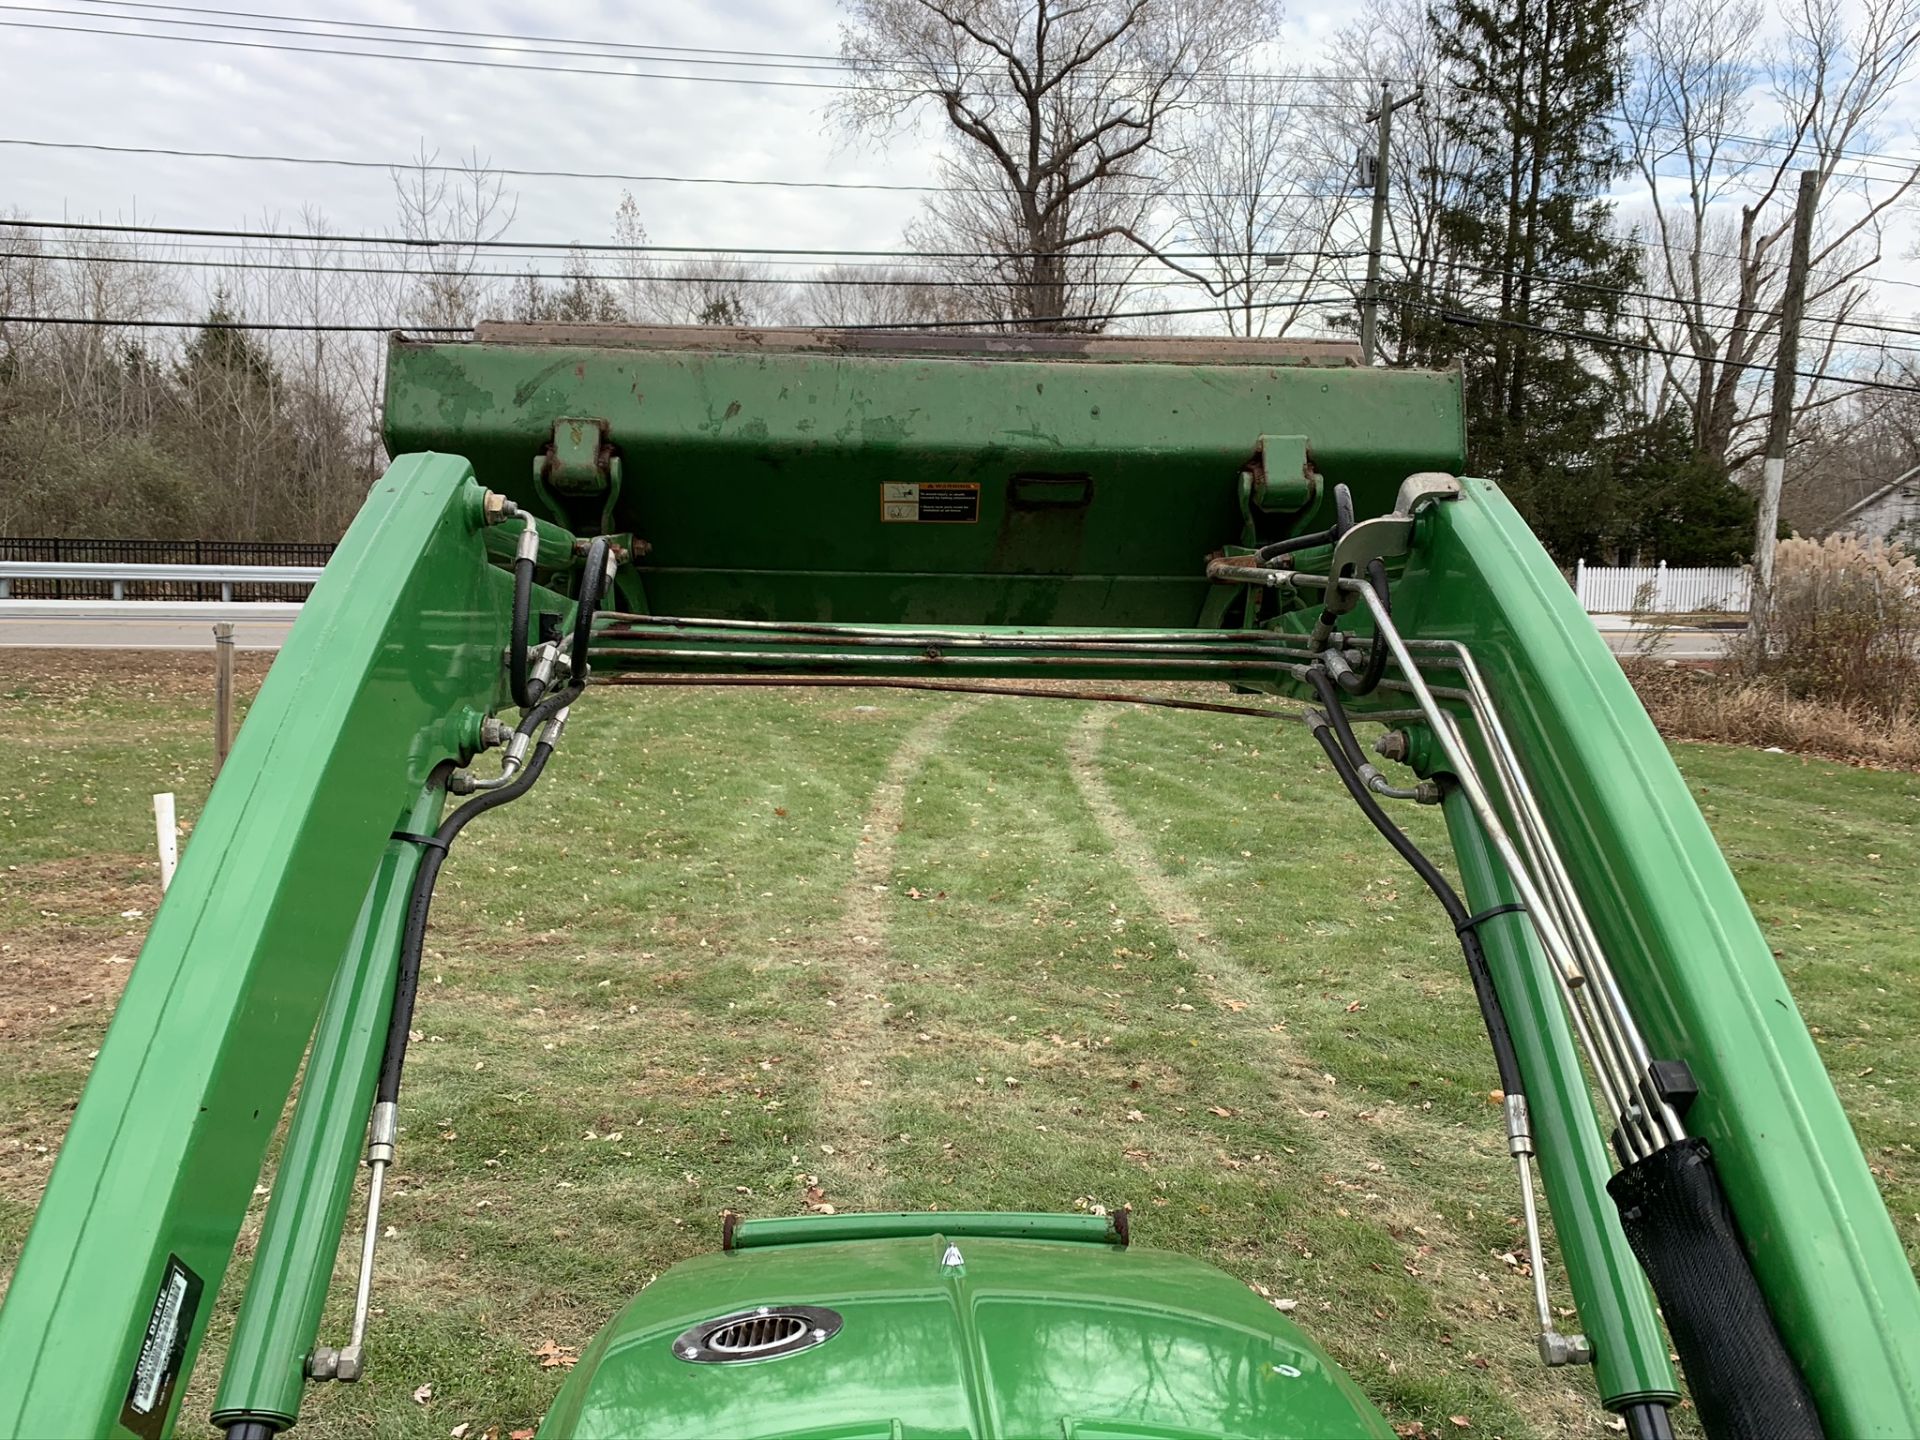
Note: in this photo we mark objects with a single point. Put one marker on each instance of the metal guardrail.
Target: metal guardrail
(118, 576)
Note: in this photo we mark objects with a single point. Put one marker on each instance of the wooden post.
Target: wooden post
(222, 692)
(1786, 361)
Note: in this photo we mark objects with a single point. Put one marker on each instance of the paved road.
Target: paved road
(1626, 638)
(140, 624)
(188, 625)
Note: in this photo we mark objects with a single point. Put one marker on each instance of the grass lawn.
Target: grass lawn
(769, 950)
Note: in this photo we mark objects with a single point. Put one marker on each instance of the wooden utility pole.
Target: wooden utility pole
(1370, 298)
(1773, 470)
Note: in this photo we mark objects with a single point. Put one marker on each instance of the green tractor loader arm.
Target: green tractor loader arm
(640, 506)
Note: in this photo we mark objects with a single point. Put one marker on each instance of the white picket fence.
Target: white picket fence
(1661, 589)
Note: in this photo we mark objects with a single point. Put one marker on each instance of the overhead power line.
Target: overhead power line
(117, 248)
(570, 46)
(1468, 320)
(901, 90)
(1757, 312)
(439, 167)
(344, 30)
(98, 323)
(669, 277)
(364, 245)
(649, 248)
(998, 323)
(596, 43)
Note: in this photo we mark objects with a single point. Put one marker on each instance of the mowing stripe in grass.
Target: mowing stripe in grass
(1236, 990)
(1358, 1151)
(856, 1059)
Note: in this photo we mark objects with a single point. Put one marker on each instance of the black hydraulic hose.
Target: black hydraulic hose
(517, 637)
(413, 939)
(1336, 713)
(1267, 554)
(1505, 1061)
(1647, 1420)
(1342, 522)
(1368, 680)
(548, 706)
(593, 585)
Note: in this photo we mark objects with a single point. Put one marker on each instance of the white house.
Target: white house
(1891, 512)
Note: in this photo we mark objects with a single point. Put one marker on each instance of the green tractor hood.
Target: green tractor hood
(954, 1327)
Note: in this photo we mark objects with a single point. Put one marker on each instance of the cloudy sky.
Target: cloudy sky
(81, 71)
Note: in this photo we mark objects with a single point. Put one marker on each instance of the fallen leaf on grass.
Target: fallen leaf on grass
(1222, 1111)
(556, 1357)
(423, 1394)
(1459, 1421)
(459, 1431)
(520, 1434)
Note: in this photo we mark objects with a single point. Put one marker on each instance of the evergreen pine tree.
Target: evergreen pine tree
(1530, 250)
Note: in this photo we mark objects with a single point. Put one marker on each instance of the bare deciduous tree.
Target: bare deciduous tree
(713, 290)
(880, 295)
(1061, 115)
(1718, 192)
(1258, 178)
(447, 214)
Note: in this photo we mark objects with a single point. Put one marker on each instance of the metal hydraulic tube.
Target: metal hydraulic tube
(293, 1267)
(1542, 853)
(1544, 915)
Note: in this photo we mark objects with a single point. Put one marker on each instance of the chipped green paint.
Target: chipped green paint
(756, 478)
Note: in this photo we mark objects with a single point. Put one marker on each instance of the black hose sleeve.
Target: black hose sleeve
(1342, 522)
(517, 636)
(1505, 1061)
(1741, 1376)
(593, 585)
(413, 939)
(251, 1428)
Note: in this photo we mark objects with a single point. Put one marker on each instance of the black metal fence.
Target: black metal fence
(160, 552)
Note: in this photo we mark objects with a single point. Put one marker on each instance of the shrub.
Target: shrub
(1689, 704)
(1842, 625)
